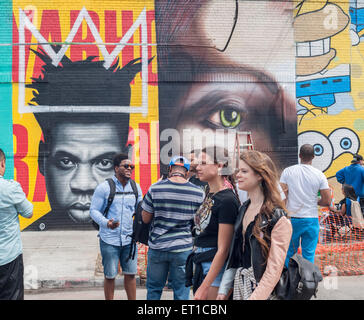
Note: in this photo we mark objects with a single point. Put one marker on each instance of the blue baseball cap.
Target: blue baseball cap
(180, 161)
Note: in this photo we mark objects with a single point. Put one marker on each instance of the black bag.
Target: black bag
(299, 281)
(112, 196)
(141, 231)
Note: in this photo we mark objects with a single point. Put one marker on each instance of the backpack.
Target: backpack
(141, 231)
(112, 196)
(300, 280)
(357, 215)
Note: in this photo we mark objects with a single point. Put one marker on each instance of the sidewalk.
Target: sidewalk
(69, 260)
(62, 259)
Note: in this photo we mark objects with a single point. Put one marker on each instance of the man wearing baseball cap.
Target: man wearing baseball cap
(170, 204)
(354, 176)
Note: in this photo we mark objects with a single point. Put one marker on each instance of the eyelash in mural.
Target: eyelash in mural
(60, 163)
(229, 117)
(108, 164)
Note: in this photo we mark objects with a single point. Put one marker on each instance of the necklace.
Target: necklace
(253, 212)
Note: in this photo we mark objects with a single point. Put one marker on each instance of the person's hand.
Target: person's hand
(201, 293)
(111, 224)
(221, 297)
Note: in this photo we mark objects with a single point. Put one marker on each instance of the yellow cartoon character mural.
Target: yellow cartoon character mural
(327, 85)
(320, 80)
(357, 21)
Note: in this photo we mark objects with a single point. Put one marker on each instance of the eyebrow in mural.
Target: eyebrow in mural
(180, 18)
(233, 28)
(77, 148)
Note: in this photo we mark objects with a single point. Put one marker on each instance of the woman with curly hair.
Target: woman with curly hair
(262, 233)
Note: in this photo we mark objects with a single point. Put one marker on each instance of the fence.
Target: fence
(341, 245)
(340, 248)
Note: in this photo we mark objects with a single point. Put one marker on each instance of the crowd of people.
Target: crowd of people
(204, 234)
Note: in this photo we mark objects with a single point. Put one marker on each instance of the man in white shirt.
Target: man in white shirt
(301, 184)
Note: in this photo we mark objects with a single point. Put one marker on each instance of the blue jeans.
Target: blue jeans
(111, 255)
(207, 265)
(160, 263)
(305, 231)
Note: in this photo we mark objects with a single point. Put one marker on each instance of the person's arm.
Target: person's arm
(147, 216)
(285, 190)
(22, 205)
(342, 209)
(25, 209)
(284, 185)
(325, 200)
(280, 240)
(223, 245)
(98, 204)
(148, 208)
(227, 284)
(340, 176)
(140, 194)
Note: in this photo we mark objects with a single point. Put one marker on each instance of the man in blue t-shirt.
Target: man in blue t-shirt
(12, 202)
(170, 204)
(354, 176)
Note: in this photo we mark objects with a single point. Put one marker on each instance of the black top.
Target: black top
(196, 181)
(221, 207)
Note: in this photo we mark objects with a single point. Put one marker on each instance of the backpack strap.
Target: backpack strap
(269, 224)
(135, 191)
(111, 195)
(133, 246)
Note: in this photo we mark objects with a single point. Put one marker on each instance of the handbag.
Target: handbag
(299, 281)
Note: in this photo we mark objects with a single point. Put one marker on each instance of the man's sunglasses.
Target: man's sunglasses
(127, 166)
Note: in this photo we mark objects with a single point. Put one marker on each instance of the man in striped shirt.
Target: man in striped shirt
(171, 204)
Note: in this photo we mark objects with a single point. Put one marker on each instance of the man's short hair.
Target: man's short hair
(307, 152)
(2, 155)
(180, 169)
(357, 158)
(118, 158)
(82, 83)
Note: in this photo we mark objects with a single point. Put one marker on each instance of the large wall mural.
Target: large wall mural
(329, 77)
(83, 80)
(84, 88)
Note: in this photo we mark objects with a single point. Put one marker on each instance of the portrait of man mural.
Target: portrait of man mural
(77, 148)
(221, 72)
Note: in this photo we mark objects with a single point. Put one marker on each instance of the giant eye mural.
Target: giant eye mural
(331, 147)
(322, 147)
(344, 140)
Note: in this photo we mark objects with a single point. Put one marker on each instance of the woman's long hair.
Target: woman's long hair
(264, 167)
(220, 155)
(349, 192)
